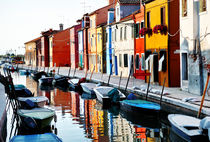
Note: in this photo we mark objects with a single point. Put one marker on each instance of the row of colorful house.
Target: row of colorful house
(168, 39)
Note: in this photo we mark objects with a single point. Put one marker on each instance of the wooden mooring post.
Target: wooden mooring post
(92, 73)
(120, 80)
(204, 93)
(110, 75)
(148, 88)
(58, 70)
(129, 76)
(74, 71)
(161, 96)
(69, 71)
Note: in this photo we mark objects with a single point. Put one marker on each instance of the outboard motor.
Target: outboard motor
(205, 126)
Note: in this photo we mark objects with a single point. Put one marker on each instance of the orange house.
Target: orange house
(139, 44)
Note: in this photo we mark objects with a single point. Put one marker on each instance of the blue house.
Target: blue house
(109, 49)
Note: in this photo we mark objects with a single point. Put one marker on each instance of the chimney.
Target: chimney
(61, 26)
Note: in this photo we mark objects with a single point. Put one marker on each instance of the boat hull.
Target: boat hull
(138, 109)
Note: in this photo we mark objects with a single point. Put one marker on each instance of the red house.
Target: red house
(44, 54)
(139, 44)
(85, 26)
(74, 52)
(61, 48)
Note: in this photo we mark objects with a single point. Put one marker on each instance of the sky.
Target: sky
(24, 20)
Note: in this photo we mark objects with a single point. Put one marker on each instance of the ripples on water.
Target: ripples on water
(80, 119)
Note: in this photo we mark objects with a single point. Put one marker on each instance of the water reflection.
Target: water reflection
(85, 120)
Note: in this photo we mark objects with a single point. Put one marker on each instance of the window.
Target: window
(118, 11)
(120, 60)
(184, 8)
(142, 26)
(121, 30)
(137, 30)
(137, 61)
(148, 20)
(42, 58)
(202, 5)
(162, 16)
(125, 60)
(89, 36)
(91, 41)
(125, 33)
(90, 23)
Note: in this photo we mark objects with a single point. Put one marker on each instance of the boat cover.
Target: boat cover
(142, 104)
(36, 113)
(47, 137)
(33, 99)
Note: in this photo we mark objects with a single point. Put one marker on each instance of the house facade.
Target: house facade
(44, 55)
(194, 44)
(123, 44)
(74, 52)
(81, 48)
(60, 45)
(161, 22)
(139, 65)
(31, 52)
(97, 18)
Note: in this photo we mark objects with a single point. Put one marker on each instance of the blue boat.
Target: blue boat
(140, 106)
(47, 137)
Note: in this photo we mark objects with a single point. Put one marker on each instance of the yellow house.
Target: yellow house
(31, 52)
(92, 46)
(160, 23)
(51, 51)
(100, 49)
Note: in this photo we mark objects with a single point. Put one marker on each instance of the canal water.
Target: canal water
(80, 119)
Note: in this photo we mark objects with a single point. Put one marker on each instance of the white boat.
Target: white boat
(88, 87)
(102, 94)
(40, 100)
(186, 127)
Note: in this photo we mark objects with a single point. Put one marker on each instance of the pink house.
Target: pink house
(74, 46)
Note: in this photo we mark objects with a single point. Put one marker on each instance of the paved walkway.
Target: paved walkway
(171, 95)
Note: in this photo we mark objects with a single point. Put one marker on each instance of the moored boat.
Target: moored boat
(60, 80)
(140, 106)
(40, 100)
(37, 75)
(42, 116)
(105, 96)
(88, 87)
(186, 127)
(50, 137)
(75, 83)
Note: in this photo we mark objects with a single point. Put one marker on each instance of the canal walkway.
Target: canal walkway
(172, 96)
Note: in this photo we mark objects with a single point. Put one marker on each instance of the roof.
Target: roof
(94, 12)
(34, 40)
(129, 1)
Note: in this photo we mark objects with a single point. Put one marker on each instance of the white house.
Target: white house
(194, 44)
(123, 45)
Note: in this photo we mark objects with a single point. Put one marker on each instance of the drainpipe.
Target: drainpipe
(196, 22)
